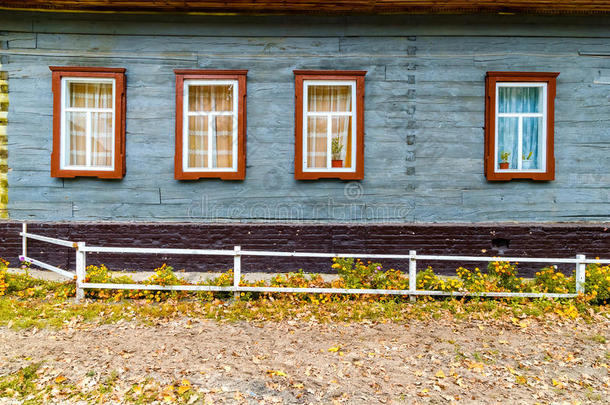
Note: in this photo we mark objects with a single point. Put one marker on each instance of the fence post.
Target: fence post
(412, 274)
(580, 275)
(24, 240)
(81, 264)
(236, 270)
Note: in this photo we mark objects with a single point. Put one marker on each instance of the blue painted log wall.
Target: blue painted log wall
(424, 111)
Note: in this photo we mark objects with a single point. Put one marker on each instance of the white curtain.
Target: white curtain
(520, 100)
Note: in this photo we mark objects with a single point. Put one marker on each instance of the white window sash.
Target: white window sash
(329, 116)
(542, 152)
(211, 149)
(63, 142)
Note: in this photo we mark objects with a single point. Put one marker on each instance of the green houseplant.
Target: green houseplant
(527, 163)
(504, 160)
(336, 148)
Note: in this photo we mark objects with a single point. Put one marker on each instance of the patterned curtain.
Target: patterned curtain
(328, 99)
(91, 97)
(211, 99)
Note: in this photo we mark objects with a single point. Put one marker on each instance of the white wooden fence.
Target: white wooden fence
(81, 250)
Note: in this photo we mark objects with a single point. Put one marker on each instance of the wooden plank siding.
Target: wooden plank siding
(3, 143)
(320, 6)
(424, 114)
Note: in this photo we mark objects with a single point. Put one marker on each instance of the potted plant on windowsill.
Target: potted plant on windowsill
(527, 163)
(504, 160)
(336, 147)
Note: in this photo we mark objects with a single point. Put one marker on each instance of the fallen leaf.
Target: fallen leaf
(277, 373)
(59, 379)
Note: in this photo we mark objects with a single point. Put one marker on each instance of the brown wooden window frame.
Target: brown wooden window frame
(118, 74)
(183, 75)
(356, 76)
(491, 81)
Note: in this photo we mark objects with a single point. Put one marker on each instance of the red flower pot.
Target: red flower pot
(504, 165)
(337, 163)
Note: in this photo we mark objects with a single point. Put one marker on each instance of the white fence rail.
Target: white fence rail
(81, 250)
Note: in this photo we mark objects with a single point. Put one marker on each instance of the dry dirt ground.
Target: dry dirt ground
(433, 361)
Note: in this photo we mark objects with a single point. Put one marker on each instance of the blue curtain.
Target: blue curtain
(508, 138)
(520, 100)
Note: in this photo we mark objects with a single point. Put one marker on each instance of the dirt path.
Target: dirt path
(298, 362)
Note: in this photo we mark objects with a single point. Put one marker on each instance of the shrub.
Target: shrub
(597, 282)
(165, 276)
(357, 274)
(3, 284)
(353, 273)
(552, 281)
(223, 280)
(506, 276)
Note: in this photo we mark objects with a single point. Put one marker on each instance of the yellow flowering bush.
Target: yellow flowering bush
(597, 282)
(552, 281)
(505, 274)
(427, 280)
(3, 284)
(357, 274)
(353, 273)
(164, 276)
(223, 280)
(473, 281)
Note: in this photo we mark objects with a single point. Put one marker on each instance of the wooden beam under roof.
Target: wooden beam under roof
(318, 6)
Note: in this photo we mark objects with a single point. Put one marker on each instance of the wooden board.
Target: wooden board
(320, 6)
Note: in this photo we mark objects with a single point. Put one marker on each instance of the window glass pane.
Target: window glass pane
(532, 136)
(329, 98)
(519, 99)
(316, 142)
(508, 138)
(90, 95)
(198, 142)
(76, 137)
(101, 139)
(206, 98)
(223, 141)
(341, 142)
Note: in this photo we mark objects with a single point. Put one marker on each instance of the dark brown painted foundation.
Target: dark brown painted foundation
(541, 240)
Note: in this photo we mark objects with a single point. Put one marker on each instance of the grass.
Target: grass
(599, 339)
(32, 303)
(22, 383)
(20, 313)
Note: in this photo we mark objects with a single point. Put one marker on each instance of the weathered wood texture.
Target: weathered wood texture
(3, 143)
(424, 113)
(320, 6)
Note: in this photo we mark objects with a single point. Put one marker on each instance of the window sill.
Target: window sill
(329, 175)
(510, 175)
(238, 175)
(101, 174)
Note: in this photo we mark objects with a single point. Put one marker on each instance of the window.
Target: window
(329, 124)
(210, 124)
(88, 122)
(519, 130)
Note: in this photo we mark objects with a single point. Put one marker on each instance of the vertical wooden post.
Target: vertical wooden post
(412, 274)
(24, 240)
(580, 275)
(236, 270)
(81, 264)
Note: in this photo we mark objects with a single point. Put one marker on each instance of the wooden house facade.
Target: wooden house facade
(446, 127)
